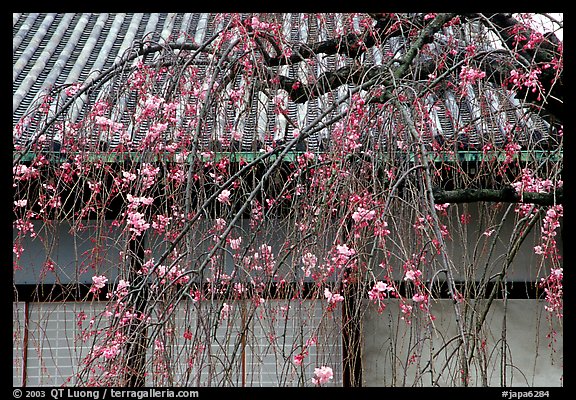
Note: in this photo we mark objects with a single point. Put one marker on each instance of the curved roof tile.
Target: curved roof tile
(52, 50)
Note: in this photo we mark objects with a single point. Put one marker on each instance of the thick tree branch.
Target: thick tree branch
(506, 195)
(328, 81)
(425, 36)
(358, 74)
(351, 44)
(541, 56)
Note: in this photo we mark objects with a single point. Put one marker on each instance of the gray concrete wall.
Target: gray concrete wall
(468, 247)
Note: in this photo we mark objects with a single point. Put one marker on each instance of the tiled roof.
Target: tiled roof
(53, 50)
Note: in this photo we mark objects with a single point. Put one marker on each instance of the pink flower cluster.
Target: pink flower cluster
(110, 350)
(24, 227)
(225, 311)
(122, 288)
(421, 222)
(172, 274)
(160, 223)
(412, 275)
(548, 246)
(262, 260)
(441, 208)
(468, 76)
(134, 201)
(137, 223)
(235, 243)
(309, 261)
(266, 255)
(347, 133)
(107, 124)
(362, 216)
(148, 174)
(153, 135)
(177, 174)
(406, 311)
(343, 254)
(22, 173)
(531, 183)
(332, 298)
(98, 282)
(299, 358)
(530, 80)
(554, 291)
(322, 375)
(381, 228)
(224, 196)
(256, 24)
(150, 106)
(511, 150)
(379, 292)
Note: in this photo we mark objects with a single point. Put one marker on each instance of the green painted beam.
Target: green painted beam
(461, 156)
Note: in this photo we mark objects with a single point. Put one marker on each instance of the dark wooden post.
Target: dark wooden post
(136, 332)
(351, 337)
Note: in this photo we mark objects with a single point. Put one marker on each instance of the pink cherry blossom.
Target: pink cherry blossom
(21, 203)
(361, 214)
(134, 201)
(345, 250)
(332, 298)
(122, 289)
(309, 260)
(469, 75)
(442, 207)
(553, 287)
(381, 286)
(406, 310)
(99, 281)
(160, 223)
(298, 358)
(323, 375)
(237, 135)
(137, 223)
(225, 311)
(106, 123)
(488, 232)
(235, 243)
(22, 172)
(379, 291)
(538, 250)
(381, 228)
(219, 224)
(224, 197)
(148, 174)
(419, 298)
(128, 176)
(412, 275)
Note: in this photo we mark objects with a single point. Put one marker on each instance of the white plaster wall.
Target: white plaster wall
(531, 358)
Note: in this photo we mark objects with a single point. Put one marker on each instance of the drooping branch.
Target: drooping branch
(506, 195)
(541, 51)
